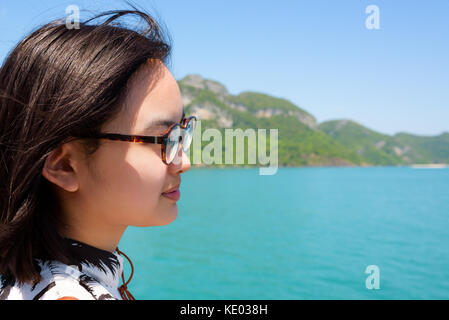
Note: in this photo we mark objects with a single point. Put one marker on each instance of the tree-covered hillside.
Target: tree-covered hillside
(301, 140)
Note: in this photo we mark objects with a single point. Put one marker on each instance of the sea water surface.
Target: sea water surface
(303, 233)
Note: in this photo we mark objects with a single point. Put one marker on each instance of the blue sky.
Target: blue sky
(317, 54)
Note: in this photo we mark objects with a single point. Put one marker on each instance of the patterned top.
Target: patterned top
(95, 278)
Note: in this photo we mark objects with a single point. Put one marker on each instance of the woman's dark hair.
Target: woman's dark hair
(58, 84)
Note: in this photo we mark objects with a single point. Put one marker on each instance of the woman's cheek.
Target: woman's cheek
(129, 184)
(145, 180)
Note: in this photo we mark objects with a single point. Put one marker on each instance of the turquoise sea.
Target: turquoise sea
(303, 233)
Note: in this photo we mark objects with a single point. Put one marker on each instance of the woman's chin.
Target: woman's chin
(164, 217)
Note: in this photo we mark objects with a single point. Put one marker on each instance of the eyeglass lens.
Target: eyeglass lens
(177, 135)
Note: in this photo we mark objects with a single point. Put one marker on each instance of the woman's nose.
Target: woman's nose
(181, 162)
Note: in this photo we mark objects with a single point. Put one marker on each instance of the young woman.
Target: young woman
(92, 138)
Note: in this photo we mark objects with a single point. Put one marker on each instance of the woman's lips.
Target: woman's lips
(174, 195)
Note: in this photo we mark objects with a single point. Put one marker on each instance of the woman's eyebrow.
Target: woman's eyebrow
(162, 123)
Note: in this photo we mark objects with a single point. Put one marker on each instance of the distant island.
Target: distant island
(302, 140)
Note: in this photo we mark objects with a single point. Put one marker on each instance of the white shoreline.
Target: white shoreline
(430, 166)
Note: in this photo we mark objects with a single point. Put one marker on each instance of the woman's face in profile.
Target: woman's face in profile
(125, 180)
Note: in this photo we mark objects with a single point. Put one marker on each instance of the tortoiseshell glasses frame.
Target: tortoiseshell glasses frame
(163, 140)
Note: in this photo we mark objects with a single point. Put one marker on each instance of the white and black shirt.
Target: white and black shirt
(95, 278)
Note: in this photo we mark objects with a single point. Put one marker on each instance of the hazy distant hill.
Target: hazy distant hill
(373, 147)
(302, 141)
(422, 149)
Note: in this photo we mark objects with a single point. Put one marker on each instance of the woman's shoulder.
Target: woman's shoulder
(58, 282)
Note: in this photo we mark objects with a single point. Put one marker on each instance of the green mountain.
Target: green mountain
(424, 149)
(373, 147)
(302, 141)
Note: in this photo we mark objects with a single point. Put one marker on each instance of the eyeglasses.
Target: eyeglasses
(170, 141)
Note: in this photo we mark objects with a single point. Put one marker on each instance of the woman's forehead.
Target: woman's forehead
(156, 98)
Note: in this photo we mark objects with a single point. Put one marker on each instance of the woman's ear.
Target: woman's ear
(61, 167)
